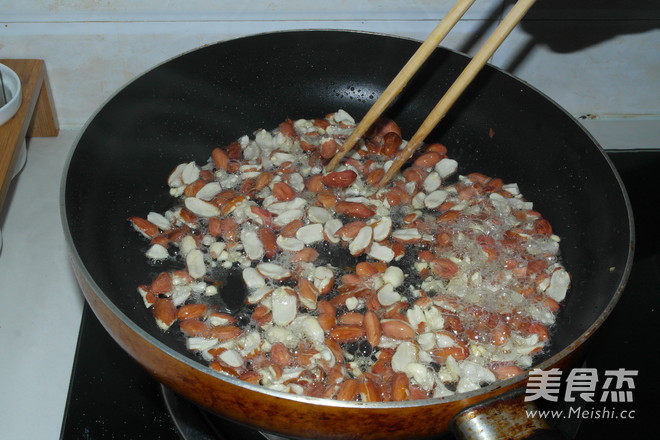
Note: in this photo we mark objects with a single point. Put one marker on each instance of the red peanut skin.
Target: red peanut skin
(339, 179)
(287, 415)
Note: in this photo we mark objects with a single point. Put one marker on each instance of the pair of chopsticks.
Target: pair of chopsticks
(453, 93)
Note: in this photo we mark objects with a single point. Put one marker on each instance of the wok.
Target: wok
(181, 109)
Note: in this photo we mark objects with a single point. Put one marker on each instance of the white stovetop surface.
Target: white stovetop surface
(41, 306)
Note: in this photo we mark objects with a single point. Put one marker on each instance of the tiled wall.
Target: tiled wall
(599, 59)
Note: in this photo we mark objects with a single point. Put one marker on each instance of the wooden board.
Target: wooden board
(36, 116)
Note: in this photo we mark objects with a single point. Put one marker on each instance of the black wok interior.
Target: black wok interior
(182, 109)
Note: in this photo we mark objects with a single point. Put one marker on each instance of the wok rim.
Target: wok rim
(318, 401)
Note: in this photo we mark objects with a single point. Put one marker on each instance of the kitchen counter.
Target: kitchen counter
(41, 303)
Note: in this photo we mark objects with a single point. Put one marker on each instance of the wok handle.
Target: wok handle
(505, 416)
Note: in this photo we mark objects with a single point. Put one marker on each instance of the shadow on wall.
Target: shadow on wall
(566, 26)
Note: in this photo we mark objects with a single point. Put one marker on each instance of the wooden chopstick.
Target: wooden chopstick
(465, 78)
(402, 78)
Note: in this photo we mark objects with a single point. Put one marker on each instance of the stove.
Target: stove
(111, 396)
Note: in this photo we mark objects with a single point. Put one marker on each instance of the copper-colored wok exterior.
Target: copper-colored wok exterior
(209, 97)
